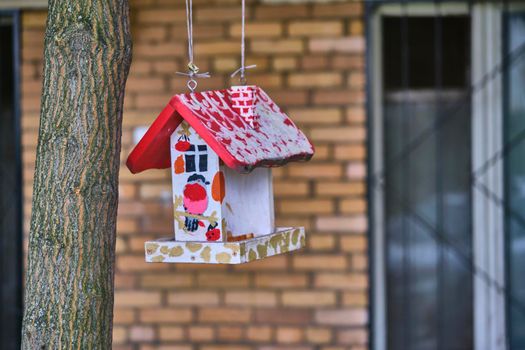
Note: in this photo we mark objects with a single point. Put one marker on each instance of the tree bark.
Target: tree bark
(69, 281)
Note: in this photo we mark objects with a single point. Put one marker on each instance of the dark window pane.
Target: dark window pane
(190, 163)
(421, 40)
(202, 148)
(427, 192)
(515, 181)
(203, 162)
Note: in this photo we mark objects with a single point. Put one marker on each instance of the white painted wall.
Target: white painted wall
(248, 204)
(180, 180)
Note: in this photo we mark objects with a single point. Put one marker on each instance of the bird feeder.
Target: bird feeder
(220, 146)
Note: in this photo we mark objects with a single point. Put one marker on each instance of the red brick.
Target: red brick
(123, 316)
(356, 223)
(166, 315)
(160, 16)
(308, 298)
(166, 280)
(171, 333)
(319, 335)
(217, 280)
(141, 333)
(354, 44)
(280, 280)
(338, 134)
(320, 242)
(251, 298)
(289, 335)
(281, 12)
(346, 9)
(277, 46)
(200, 333)
(136, 298)
(230, 315)
(230, 333)
(315, 28)
(258, 29)
(342, 317)
(340, 189)
(316, 171)
(354, 281)
(309, 80)
(320, 262)
(259, 333)
(283, 316)
(220, 14)
(193, 298)
(306, 207)
(352, 337)
(316, 115)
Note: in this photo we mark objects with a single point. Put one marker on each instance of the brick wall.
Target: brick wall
(310, 59)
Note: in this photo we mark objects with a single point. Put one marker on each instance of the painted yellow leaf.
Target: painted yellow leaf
(234, 247)
(177, 201)
(164, 249)
(275, 241)
(223, 225)
(262, 249)
(295, 237)
(151, 248)
(243, 249)
(158, 258)
(206, 254)
(176, 251)
(193, 247)
(287, 236)
(252, 255)
(223, 258)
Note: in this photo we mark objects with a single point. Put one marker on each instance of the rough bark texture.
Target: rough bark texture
(69, 282)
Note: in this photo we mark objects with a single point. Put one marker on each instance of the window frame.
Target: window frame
(489, 321)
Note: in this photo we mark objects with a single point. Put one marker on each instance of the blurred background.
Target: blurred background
(413, 203)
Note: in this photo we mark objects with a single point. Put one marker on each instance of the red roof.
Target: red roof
(274, 140)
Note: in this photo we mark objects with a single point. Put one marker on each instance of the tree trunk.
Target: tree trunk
(69, 281)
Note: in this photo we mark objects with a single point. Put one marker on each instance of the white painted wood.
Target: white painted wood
(183, 204)
(248, 205)
(488, 231)
(282, 240)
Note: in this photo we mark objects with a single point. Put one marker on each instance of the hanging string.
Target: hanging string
(243, 68)
(193, 70)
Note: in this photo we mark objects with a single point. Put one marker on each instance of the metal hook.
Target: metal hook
(192, 84)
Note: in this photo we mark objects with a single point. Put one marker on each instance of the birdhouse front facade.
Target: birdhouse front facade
(220, 147)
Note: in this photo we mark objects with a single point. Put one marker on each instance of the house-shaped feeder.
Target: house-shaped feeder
(220, 146)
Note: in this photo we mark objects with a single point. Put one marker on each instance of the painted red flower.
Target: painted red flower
(213, 234)
(182, 146)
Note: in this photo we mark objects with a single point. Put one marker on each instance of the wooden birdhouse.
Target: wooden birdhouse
(220, 147)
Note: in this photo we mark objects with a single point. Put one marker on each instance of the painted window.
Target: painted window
(190, 159)
(193, 158)
(203, 158)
